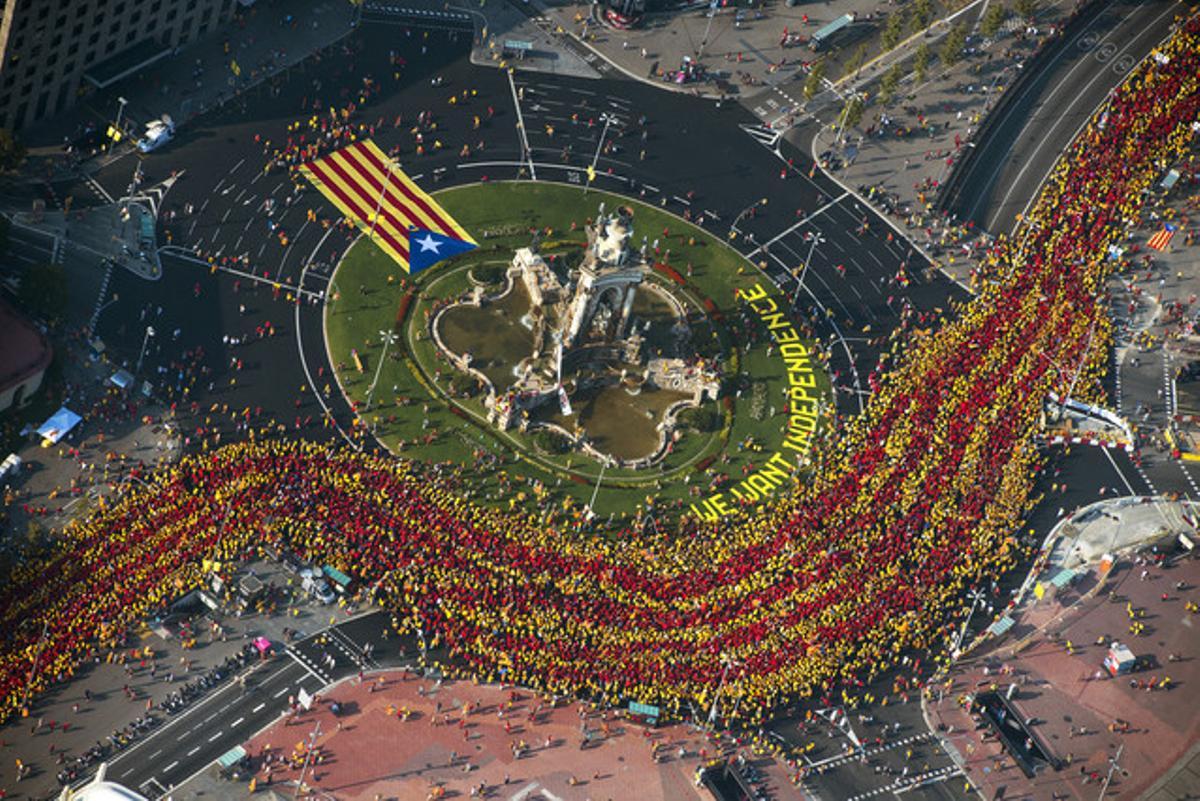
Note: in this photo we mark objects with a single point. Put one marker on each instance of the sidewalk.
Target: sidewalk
(1066, 606)
(118, 687)
(403, 737)
(1081, 715)
(900, 154)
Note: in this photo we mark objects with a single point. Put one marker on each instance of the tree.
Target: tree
(889, 84)
(857, 60)
(893, 32)
(44, 291)
(952, 46)
(993, 20)
(814, 82)
(921, 62)
(11, 151)
(922, 13)
(1027, 9)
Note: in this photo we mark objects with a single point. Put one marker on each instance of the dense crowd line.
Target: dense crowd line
(923, 495)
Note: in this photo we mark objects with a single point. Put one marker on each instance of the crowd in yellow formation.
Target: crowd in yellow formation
(923, 495)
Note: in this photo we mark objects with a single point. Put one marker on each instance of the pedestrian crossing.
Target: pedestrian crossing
(857, 756)
(410, 15)
(100, 304)
(905, 783)
(763, 135)
(99, 191)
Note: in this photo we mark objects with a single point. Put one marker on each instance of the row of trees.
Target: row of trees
(909, 21)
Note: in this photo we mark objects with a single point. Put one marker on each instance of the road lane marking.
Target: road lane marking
(236, 722)
(257, 708)
(193, 751)
(169, 767)
(281, 692)
(215, 737)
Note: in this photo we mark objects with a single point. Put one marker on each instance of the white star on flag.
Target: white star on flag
(429, 243)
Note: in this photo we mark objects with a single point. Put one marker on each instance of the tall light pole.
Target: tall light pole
(117, 124)
(1114, 764)
(712, 712)
(976, 596)
(607, 118)
(387, 179)
(814, 240)
(312, 741)
(712, 12)
(389, 337)
(37, 658)
(591, 504)
(142, 354)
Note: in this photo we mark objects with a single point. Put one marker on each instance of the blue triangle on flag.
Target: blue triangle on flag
(426, 248)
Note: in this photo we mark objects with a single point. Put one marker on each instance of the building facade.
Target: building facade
(54, 51)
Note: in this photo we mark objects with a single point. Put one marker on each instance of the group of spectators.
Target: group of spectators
(922, 496)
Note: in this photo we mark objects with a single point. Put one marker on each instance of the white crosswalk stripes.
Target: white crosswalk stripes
(762, 134)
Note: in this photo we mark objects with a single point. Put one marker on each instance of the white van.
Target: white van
(158, 133)
(315, 585)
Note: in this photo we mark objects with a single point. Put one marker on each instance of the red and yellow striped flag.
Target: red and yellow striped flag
(1162, 239)
(356, 179)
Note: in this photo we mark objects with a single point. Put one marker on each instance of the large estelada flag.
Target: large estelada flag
(1162, 239)
(410, 226)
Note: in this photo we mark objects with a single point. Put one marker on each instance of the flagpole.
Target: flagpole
(379, 206)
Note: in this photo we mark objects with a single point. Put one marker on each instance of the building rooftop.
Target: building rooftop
(24, 350)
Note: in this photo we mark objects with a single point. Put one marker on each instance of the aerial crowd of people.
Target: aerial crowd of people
(921, 497)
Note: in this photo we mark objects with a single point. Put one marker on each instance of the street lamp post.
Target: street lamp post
(591, 504)
(814, 240)
(37, 658)
(976, 596)
(312, 741)
(389, 337)
(1114, 764)
(379, 205)
(142, 354)
(607, 119)
(117, 124)
(712, 12)
(712, 712)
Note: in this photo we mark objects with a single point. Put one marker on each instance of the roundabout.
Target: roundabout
(657, 373)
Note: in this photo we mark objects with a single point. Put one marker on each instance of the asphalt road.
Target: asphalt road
(229, 716)
(1021, 145)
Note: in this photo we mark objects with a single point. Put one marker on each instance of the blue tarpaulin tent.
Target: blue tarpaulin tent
(59, 424)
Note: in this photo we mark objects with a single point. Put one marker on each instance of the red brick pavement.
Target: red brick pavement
(370, 752)
(1060, 688)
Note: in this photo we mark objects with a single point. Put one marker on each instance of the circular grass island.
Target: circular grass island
(650, 374)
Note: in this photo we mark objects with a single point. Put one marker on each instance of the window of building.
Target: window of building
(129, 37)
(135, 17)
(171, 14)
(95, 37)
(43, 100)
(64, 95)
(77, 31)
(19, 120)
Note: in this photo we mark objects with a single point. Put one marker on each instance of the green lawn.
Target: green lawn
(412, 411)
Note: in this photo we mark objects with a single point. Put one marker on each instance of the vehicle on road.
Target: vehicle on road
(315, 585)
(158, 133)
